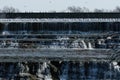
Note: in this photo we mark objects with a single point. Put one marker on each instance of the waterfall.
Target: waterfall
(14, 45)
(116, 66)
(54, 45)
(5, 29)
(43, 71)
(79, 43)
(99, 42)
(61, 43)
(84, 44)
(75, 44)
(22, 68)
(90, 45)
(39, 71)
(80, 70)
(68, 71)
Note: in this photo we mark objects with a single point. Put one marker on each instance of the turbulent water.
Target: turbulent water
(58, 70)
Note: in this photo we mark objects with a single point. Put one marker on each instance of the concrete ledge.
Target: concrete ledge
(36, 55)
(49, 20)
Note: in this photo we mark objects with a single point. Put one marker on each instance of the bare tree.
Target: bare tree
(99, 10)
(9, 10)
(86, 9)
(77, 9)
(117, 9)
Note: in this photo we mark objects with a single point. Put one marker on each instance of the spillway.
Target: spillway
(59, 46)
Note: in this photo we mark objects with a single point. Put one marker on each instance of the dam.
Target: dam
(68, 32)
(59, 46)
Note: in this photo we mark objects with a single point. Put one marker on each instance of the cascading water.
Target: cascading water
(79, 43)
(44, 72)
(5, 29)
(90, 45)
(116, 66)
(84, 44)
(68, 70)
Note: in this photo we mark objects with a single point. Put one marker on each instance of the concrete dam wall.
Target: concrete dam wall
(59, 46)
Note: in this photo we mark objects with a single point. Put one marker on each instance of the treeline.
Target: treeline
(84, 9)
(7, 9)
